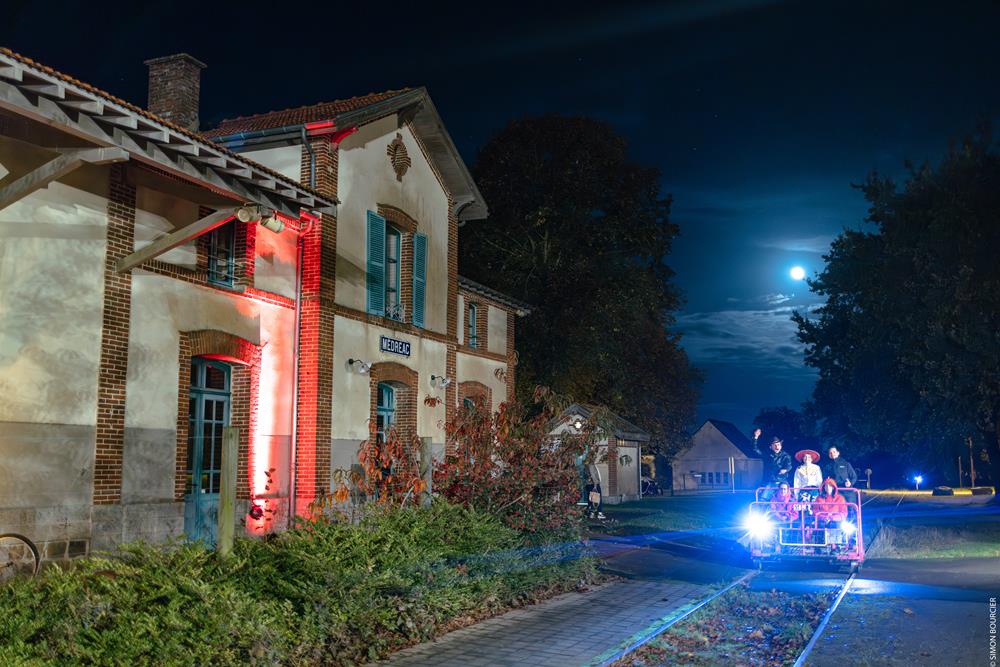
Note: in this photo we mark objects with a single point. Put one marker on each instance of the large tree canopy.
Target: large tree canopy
(908, 343)
(582, 234)
(793, 427)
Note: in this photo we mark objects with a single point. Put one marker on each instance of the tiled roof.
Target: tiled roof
(201, 137)
(735, 436)
(478, 288)
(621, 427)
(299, 115)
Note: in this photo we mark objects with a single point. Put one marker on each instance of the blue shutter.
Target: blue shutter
(419, 277)
(376, 264)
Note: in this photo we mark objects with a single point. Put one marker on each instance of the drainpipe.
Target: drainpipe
(312, 158)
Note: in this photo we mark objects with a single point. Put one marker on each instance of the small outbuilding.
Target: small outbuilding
(619, 445)
(719, 457)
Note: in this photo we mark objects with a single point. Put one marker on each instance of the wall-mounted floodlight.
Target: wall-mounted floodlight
(578, 424)
(265, 216)
(273, 223)
(440, 381)
(359, 366)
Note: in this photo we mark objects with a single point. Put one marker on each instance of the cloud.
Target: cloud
(818, 244)
(771, 299)
(761, 340)
(775, 299)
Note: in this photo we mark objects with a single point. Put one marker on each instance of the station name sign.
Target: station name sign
(393, 346)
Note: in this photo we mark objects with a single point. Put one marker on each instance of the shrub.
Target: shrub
(506, 464)
(325, 593)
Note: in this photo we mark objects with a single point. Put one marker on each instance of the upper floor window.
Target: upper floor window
(393, 307)
(386, 272)
(221, 254)
(472, 339)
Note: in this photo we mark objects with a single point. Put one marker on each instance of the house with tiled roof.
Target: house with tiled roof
(719, 457)
(292, 274)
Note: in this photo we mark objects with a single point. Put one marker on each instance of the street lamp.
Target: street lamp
(918, 479)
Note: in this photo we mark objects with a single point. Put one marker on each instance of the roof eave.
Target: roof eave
(49, 97)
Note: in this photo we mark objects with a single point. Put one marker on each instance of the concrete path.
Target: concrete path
(567, 631)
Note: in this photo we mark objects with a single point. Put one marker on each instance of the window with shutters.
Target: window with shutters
(388, 248)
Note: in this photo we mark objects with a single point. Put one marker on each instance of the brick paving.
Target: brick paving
(571, 630)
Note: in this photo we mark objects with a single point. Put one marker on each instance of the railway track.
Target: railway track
(638, 642)
(823, 622)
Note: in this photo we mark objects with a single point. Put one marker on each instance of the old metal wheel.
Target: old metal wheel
(18, 556)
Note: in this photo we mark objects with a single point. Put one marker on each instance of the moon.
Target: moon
(797, 273)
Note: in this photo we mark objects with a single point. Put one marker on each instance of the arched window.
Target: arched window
(385, 410)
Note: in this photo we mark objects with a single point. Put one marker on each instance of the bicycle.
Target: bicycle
(18, 556)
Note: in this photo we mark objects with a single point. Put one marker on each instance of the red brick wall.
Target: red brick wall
(612, 467)
(451, 391)
(174, 89)
(316, 331)
(114, 341)
(511, 358)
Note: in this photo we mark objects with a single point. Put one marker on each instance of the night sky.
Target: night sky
(759, 114)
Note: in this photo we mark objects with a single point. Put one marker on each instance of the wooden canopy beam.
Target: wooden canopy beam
(174, 239)
(66, 162)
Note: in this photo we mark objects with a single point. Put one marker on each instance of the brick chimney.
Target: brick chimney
(174, 89)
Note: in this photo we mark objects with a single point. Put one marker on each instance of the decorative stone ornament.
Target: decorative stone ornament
(398, 157)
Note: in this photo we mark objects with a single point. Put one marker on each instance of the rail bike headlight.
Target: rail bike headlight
(758, 525)
(847, 527)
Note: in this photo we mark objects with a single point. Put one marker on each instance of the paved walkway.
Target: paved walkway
(570, 630)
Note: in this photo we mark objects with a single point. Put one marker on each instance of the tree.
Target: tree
(908, 344)
(790, 425)
(582, 234)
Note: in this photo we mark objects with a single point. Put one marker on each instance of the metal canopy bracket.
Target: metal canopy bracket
(67, 161)
(174, 239)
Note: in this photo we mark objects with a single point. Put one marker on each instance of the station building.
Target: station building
(294, 274)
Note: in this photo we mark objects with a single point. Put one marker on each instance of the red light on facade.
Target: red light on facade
(340, 135)
(319, 125)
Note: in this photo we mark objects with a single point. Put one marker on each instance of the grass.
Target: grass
(980, 540)
(666, 514)
(742, 627)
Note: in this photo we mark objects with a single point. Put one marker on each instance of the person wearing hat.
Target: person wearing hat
(808, 474)
(777, 465)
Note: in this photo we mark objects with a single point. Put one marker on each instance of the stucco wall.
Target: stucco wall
(51, 295)
(351, 402)
(461, 319)
(286, 160)
(497, 328)
(163, 307)
(158, 214)
(274, 266)
(471, 367)
(365, 180)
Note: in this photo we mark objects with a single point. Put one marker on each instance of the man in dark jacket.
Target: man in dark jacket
(839, 469)
(777, 465)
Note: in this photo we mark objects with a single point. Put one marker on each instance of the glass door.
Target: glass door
(208, 413)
